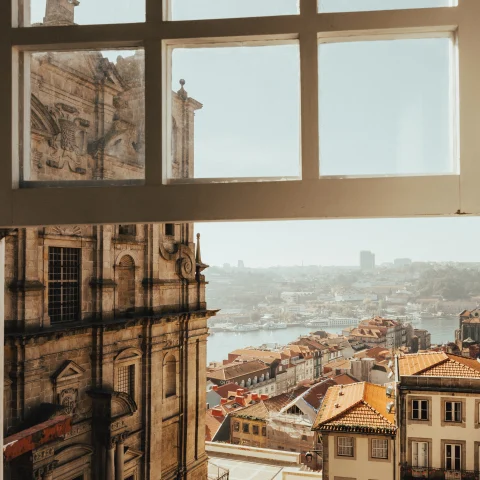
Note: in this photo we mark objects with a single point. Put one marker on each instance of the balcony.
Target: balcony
(217, 473)
(411, 473)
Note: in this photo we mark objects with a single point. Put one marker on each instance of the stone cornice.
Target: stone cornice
(57, 331)
(26, 286)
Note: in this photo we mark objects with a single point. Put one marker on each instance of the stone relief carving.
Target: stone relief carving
(68, 147)
(68, 399)
(43, 453)
(186, 263)
(73, 231)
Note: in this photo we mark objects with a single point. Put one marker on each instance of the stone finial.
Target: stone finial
(182, 93)
(198, 257)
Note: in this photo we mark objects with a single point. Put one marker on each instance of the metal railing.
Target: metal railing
(411, 473)
(217, 473)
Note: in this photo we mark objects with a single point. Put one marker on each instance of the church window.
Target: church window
(126, 284)
(170, 376)
(63, 284)
(129, 230)
(126, 380)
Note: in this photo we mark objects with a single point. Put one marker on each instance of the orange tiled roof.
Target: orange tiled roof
(356, 407)
(438, 364)
(212, 425)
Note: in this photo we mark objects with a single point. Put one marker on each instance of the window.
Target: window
(327, 6)
(453, 411)
(419, 454)
(345, 446)
(264, 431)
(304, 438)
(419, 409)
(255, 429)
(246, 428)
(126, 380)
(126, 284)
(379, 448)
(170, 229)
(453, 457)
(236, 426)
(170, 376)
(63, 284)
(129, 230)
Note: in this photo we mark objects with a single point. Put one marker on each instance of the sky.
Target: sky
(384, 109)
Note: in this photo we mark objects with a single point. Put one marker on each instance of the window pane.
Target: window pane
(87, 116)
(386, 108)
(327, 6)
(205, 9)
(244, 103)
(85, 12)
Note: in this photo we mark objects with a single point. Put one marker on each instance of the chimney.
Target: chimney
(215, 388)
(217, 412)
(60, 12)
(255, 396)
(240, 400)
(223, 401)
(240, 391)
(264, 396)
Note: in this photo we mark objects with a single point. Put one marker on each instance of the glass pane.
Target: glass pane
(87, 116)
(328, 6)
(386, 108)
(205, 9)
(85, 12)
(244, 105)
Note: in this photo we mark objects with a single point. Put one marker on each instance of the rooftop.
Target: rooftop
(236, 369)
(438, 364)
(359, 407)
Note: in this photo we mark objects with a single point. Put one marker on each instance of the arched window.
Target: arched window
(170, 376)
(249, 382)
(262, 377)
(126, 284)
(242, 383)
(254, 379)
(268, 376)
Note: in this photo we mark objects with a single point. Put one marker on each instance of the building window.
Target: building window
(126, 380)
(236, 426)
(170, 229)
(304, 438)
(170, 376)
(126, 284)
(345, 446)
(264, 431)
(255, 429)
(130, 230)
(246, 428)
(453, 454)
(63, 284)
(420, 454)
(419, 409)
(453, 411)
(379, 448)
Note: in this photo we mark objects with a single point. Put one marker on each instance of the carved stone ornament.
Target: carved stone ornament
(68, 399)
(186, 263)
(42, 453)
(72, 231)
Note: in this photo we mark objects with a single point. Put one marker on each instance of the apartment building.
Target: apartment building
(358, 432)
(438, 409)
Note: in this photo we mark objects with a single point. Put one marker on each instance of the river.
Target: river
(221, 343)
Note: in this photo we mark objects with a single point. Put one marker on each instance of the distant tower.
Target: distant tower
(367, 261)
(60, 12)
(241, 264)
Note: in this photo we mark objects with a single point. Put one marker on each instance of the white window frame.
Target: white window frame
(419, 410)
(311, 197)
(345, 447)
(379, 448)
(455, 412)
(415, 454)
(453, 457)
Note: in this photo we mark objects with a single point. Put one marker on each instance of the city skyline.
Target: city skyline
(339, 242)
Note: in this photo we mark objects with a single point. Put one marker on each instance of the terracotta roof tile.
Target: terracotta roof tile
(344, 379)
(438, 364)
(356, 407)
(234, 370)
(212, 425)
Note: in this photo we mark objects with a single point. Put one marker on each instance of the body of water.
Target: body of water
(220, 344)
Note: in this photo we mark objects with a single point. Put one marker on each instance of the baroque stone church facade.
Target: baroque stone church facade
(105, 326)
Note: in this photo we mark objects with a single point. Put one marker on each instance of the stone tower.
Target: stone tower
(60, 12)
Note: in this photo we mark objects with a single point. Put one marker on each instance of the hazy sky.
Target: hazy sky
(384, 109)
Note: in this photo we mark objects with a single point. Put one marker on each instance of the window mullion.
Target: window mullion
(155, 9)
(469, 108)
(309, 92)
(156, 111)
